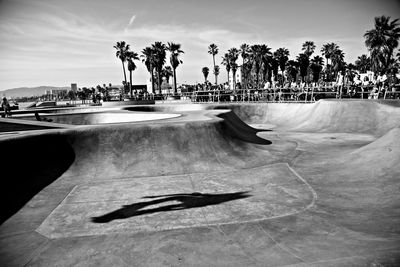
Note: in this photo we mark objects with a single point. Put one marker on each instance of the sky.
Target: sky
(59, 42)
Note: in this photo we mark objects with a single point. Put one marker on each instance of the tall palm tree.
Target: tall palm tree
(131, 56)
(338, 62)
(233, 55)
(244, 53)
(167, 72)
(149, 60)
(226, 62)
(175, 50)
(274, 64)
(303, 63)
(292, 69)
(382, 41)
(265, 61)
(216, 70)
(316, 66)
(122, 48)
(159, 58)
(256, 58)
(282, 55)
(205, 71)
(213, 50)
(308, 48)
(363, 63)
(328, 49)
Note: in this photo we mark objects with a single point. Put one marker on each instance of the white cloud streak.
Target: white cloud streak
(131, 20)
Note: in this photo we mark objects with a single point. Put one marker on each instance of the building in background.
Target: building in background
(56, 94)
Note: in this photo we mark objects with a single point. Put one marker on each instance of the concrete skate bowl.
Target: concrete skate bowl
(267, 184)
(91, 118)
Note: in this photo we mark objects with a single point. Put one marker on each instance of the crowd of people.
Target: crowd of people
(385, 85)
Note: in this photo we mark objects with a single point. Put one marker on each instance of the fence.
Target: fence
(306, 95)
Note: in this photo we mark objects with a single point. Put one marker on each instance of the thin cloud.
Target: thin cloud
(129, 24)
(131, 20)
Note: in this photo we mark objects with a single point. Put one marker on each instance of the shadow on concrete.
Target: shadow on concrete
(28, 165)
(186, 201)
(234, 127)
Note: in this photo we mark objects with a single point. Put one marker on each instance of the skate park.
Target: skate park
(260, 184)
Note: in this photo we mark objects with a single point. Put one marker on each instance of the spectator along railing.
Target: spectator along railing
(306, 95)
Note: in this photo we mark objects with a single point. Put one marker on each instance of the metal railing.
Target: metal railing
(305, 95)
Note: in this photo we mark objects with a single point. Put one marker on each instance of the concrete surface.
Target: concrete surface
(303, 185)
(90, 118)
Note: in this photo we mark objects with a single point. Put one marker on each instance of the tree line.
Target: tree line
(259, 63)
(154, 58)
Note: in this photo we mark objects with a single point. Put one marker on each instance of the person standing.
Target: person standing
(392, 81)
(6, 107)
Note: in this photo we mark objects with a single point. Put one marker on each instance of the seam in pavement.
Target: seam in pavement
(37, 251)
(51, 212)
(231, 222)
(215, 153)
(315, 196)
(254, 261)
(281, 246)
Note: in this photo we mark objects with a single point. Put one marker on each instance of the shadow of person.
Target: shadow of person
(179, 202)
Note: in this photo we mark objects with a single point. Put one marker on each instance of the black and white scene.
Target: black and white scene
(200, 133)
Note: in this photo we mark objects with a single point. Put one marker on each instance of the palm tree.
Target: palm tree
(282, 55)
(205, 71)
(382, 41)
(303, 63)
(363, 63)
(122, 49)
(213, 50)
(292, 69)
(167, 72)
(216, 70)
(244, 53)
(265, 60)
(274, 63)
(175, 50)
(233, 55)
(131, 56)
(226, 62)
(328, 49)
(149, 60)
(159, 58)
(256, 55)
(338, 62)
(316, 66)
(308, 48)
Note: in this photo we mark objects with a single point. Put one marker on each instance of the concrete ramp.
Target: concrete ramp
(264, 184)
(351, 116)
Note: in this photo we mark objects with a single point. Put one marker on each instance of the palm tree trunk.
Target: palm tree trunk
(159, 81)
(243, 76)
(152, 80)
(256, 80)
(175, 90)
(214, 70)
(234, 80)
(228, 80)
(130, 83)
(123, 67)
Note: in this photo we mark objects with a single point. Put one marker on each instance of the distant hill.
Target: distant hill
(29, 91)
